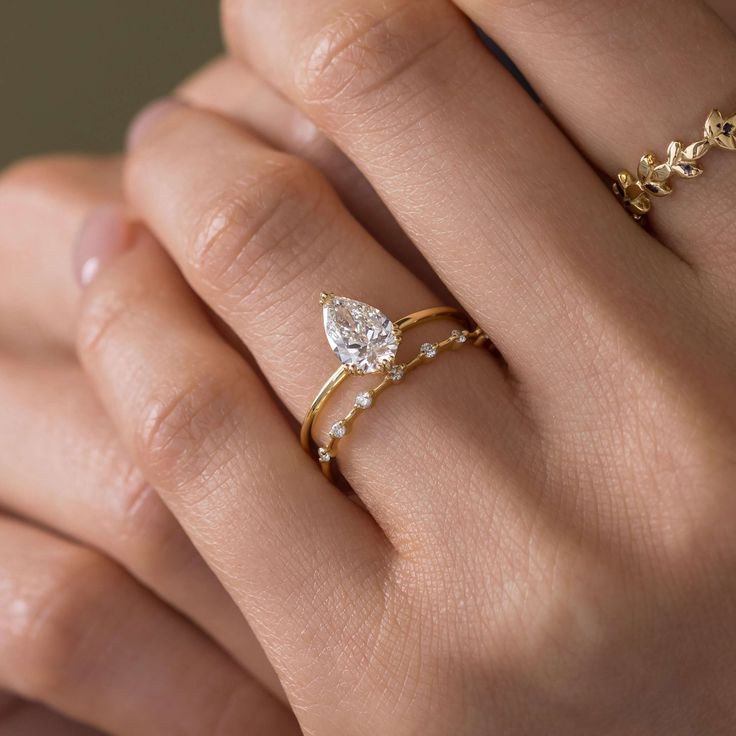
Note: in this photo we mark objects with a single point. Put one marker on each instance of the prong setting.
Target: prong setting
(364, 400)
(396, 373)
(428, 350)
(339, 430)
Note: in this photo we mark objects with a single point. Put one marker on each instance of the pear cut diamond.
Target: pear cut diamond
(362, 337)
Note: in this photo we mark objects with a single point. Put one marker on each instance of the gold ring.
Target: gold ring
(366, 341)
(653, 176)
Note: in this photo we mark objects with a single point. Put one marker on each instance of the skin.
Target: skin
(79, 482)
(582, 579)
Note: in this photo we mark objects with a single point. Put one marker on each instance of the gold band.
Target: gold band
(653, 176)
(325, 454)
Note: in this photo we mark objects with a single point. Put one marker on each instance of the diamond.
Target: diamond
(364, 400)
(459, 336)
(428, 350)
(396, 373)
(324, 455)
(339, 430)
(362, 337)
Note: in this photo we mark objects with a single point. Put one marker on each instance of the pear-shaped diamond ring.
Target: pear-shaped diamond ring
(366, 341)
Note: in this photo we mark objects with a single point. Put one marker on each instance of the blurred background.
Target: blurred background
(74, 72)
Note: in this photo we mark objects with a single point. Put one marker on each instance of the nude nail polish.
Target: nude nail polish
(104, 235)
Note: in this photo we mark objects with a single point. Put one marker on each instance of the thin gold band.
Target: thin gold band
(653, 177)
(428, 352)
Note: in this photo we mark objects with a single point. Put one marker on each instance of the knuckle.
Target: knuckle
(141, 514)
(246, 229)
(578, 622)
(51, 625)
(102, 310)
(153, 544)
(360, 52)
(179, 433)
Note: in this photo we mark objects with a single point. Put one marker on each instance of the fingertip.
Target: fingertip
(147, 119)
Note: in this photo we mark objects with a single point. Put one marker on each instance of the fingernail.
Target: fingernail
(104, 235)
(147, 119)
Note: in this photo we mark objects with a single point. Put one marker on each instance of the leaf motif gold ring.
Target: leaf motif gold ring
(653, 177)
(366, 342)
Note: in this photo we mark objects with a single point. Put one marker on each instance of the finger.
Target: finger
(43, 203)
(260, 249)
(454, 146)
(206, 432)
(727, 10)
(230, 89)
(77, 634)
(75, 478)
(23, 718)
(632, 81)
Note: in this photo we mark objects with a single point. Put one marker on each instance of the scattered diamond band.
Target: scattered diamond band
(654, 177)
(366, 342)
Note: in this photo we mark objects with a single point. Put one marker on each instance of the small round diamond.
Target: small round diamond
(324, 455)
(428, 350)
(339, 430)
(459, 337)
(364, 400)
(396, 373)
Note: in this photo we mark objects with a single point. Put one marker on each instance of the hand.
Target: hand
(104, 602)
(83, 537)
(548, 544)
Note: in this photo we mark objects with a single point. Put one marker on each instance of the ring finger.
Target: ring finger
(259, 235)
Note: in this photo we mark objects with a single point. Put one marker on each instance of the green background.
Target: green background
(74, 72)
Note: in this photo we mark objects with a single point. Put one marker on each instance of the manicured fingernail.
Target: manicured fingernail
(148, 118)
(104, 235)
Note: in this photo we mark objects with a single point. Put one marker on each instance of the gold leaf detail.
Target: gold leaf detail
(658, 190)
(713, 125)
(625, 179)
(641, 204)
(687, 170)
(720, 132)
(646, 163)
(696, 150)
(660, 173)
(673, 152)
